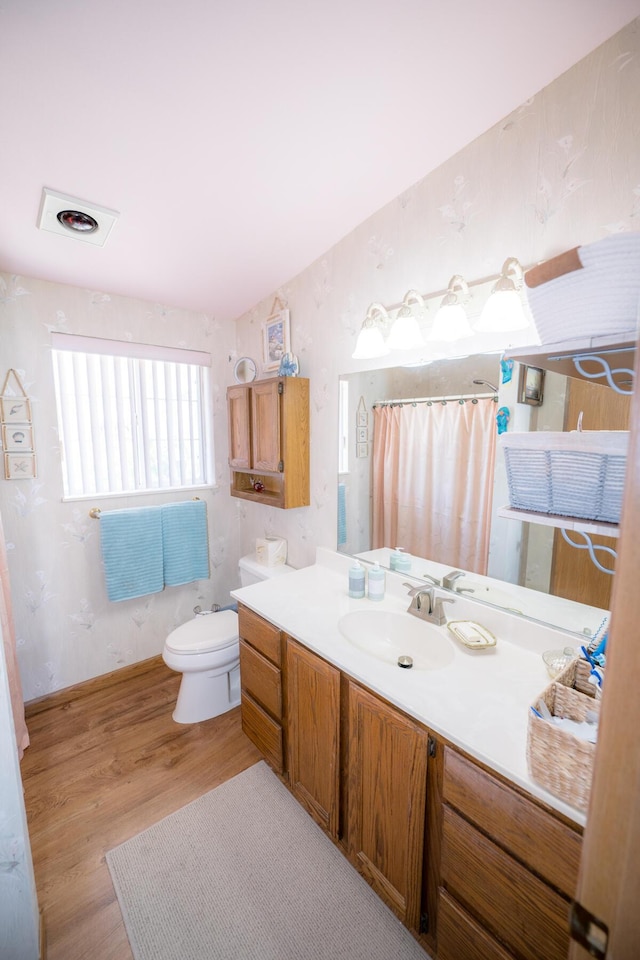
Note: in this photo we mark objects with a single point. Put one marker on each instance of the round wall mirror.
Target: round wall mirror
(244, 370)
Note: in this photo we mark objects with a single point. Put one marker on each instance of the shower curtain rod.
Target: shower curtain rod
(455, 397)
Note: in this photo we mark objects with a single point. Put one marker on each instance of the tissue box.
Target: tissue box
(271, 551)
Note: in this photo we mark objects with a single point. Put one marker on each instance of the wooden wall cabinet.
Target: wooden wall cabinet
(269, 441)
(313, 735)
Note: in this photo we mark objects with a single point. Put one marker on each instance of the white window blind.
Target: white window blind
(132, 417)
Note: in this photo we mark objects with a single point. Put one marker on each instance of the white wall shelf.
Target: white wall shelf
(590, 358)
(582, 528)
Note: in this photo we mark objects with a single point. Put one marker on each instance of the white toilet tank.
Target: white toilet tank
(253, 572)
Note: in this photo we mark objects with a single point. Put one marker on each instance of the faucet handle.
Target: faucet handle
(438, 613)
(413, 590)
(450, 578)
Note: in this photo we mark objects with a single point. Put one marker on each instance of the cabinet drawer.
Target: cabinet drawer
(461, 938)
(264, 732)
(544, 843)
(501, 894)
(260, 634)
(261, 679)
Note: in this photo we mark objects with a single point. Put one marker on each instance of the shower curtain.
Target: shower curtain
(9, 640)
(433, 480)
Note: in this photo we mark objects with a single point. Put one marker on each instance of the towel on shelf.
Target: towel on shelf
(185, 543)
(131, 544)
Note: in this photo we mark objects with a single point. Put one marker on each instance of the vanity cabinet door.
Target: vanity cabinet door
(387, 764)
(313, 729)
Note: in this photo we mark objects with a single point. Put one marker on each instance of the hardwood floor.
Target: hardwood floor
(106, 761)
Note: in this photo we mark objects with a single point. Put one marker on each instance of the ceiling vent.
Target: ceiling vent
(70, 217)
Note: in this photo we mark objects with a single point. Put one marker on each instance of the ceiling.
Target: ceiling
(240, 140)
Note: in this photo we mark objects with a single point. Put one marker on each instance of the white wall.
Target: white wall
(561, 171)
(66, 629)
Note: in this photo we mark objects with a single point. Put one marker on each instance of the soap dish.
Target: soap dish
(471, 634)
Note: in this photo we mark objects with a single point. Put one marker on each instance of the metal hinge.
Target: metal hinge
(588, 931)
(424, 922)
(281, 388)
(432, 746)
(281, 466)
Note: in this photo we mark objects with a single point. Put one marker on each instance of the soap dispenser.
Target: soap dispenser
(376, 582)
(356, 581)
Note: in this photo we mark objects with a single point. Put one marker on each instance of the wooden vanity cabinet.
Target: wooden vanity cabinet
(508, 870)
(269, 441)
(262, 686)
(313, 735)
(387, 776)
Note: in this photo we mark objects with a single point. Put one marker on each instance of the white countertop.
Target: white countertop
(479, 701)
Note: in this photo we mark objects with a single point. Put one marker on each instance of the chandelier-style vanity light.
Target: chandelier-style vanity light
(503, 311)
(405, 333)
(450, 322)
(370, 342)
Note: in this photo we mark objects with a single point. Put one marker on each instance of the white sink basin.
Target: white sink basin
(388, 636)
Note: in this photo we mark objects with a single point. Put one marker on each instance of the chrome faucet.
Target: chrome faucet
(426, 605)
(450, 578)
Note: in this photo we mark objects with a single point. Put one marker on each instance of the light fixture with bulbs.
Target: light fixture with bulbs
(503, 311)
(405, 333)
(450, 322)
(371, 342)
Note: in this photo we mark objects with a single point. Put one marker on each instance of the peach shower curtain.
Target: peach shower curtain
(433, 480)
(9, 640)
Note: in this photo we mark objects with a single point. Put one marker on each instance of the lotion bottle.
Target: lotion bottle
(376, 582)
(356, 581)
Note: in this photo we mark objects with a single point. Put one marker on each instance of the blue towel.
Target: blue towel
(131, 542)
(185, 543)
(342, 514)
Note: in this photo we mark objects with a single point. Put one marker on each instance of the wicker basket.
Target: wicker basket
(559, 761)
(576, 474)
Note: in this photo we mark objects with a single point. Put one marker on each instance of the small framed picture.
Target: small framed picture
(362, 449)
(362, 434)
(19, 466)
(275, 339)
(530, 385)
(17, 436)
(362, 418)
(15, 410)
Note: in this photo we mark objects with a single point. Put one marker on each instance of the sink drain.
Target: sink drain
(405, 662)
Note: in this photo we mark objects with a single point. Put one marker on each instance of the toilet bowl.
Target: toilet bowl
(206, 651)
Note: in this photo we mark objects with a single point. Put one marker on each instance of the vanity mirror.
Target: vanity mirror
(520, 554)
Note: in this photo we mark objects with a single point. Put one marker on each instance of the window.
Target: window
(132, 417)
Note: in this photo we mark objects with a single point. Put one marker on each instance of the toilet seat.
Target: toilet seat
(213, 631)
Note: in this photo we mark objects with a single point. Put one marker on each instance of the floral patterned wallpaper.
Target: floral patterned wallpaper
(66, 629)
(562, 170)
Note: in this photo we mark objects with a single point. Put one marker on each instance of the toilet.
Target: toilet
(206, 651)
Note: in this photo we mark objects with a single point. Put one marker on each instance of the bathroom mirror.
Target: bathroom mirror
(245, 370)
(522, 554)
